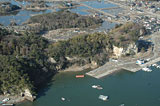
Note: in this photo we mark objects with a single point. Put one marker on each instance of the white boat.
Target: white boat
(146, 69)
(97, 87)
(94, 86)
(5, 100)
(155, 65)
(7, 104)
(158, 66)
(103, 97)
(63, 99)
(121, 105)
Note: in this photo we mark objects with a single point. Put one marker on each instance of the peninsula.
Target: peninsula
(32, 52)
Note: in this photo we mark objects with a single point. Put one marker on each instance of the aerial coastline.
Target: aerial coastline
(77, 45)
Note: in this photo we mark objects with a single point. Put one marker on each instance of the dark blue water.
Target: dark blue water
(132, 89)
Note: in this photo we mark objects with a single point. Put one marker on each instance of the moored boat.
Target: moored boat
(97, 87)
(7, 104)
(63, 99)
(121, 105)
(94, 86)
(103, 97)
(5, 100)
(79, 76)
(146, 69)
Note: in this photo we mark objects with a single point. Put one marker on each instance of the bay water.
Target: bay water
(132, 89)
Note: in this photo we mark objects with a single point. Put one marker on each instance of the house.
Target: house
(139, 62)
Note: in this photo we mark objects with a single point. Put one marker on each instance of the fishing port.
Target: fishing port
(79, 53)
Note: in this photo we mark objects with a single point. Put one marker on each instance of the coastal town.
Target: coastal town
(54, 36)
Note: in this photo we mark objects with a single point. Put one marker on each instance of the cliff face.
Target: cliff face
(117, 51)
(131, 49)
(28, 95)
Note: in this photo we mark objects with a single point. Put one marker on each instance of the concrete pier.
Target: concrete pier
(130, 65)
(108, 69)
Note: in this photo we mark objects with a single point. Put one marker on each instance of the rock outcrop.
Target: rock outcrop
(28, 95)
(131, 49)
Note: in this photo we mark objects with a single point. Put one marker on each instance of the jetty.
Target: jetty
(129, 65)
(108, 69)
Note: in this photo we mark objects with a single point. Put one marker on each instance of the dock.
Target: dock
(107, 69)
(130, 65)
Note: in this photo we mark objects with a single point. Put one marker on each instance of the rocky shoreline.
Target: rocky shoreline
(13, 99)
(76, 68)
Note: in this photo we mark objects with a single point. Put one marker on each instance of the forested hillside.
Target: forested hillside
(25, 58)
(61, 19)
(23, 63)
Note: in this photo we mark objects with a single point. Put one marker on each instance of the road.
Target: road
(130, 64)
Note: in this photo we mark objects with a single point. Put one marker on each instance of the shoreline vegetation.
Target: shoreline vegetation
(24, 57)
(61, 19)
(28, 61)
(33, 59)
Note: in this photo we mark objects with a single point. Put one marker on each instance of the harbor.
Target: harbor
(136, 76)
(123, 87)
(130, 64)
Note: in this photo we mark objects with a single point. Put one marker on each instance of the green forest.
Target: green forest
(23, 62)
(24, 58)
(61, 19)
(96, 47)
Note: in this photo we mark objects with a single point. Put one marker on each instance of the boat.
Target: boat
(7, 104)
(146, 69)
(97, 87)
(63, 99)
(5, 100)
(79, 76)
(154, 65)
(121, 105)
(158, 66)
(103, 97)
(94, 86)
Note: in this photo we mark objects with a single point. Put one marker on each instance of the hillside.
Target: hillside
(61, 19)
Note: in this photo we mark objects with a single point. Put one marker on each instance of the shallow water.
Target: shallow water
(132, 89)
(96, 4)
(106, 26)
(114, 11)
(80, 10)
(20, 16)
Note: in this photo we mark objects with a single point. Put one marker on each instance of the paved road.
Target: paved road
(111, 67)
